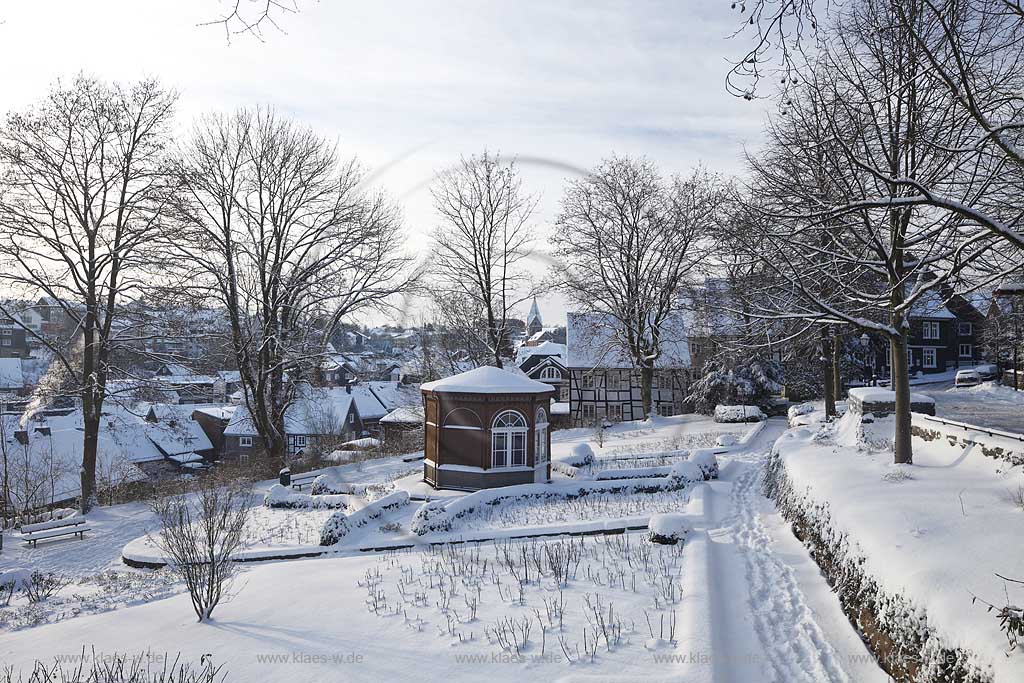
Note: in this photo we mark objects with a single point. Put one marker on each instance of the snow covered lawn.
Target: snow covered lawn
(933, 534)
(737, 599)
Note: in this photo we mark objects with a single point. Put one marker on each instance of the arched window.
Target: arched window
(508, 439)
(550, 373)
(540, 443)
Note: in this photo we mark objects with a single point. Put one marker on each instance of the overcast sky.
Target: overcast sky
(407, 87)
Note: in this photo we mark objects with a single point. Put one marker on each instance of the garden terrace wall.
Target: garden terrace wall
(894, 630)
(882, 403)
(992, 443)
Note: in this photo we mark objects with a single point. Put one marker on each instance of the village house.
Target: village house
(319, 418)
(604, 385)
(546, 363)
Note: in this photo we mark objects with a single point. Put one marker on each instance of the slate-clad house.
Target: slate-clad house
(320, 417)
(943, 334)
(546, 363)
(604, 385)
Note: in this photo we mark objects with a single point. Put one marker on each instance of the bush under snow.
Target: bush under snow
(707, 462)
(667, 528)
(738, 414)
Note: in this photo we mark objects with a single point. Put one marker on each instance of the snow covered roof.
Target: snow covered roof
(123, 443)
(172, 429)
(229, 375)
(395, 394)
(318, 410)
(591, 342)
(11, 375)
(369, 406)
(185, 380)
(931, 305)
(219, 412)
(405, 415)
(543, 349)
(487, 380)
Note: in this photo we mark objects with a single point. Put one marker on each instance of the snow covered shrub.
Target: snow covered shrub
(43, 585)
(582, 454)
(683, 473)
(13, 580)
(707, 462)
(430, 518)
(335, 528)
(667, 528)
(752, 381)
(736, 414)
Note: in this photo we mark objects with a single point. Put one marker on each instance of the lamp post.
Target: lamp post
(1014, 293)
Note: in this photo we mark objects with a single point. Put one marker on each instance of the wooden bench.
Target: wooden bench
(304, 479)
(55, 528)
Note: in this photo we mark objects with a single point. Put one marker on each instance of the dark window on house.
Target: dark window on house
(928, 358)
(966, 351)
(931, 330)
(587, 382)
(587, 411)
(966, 330)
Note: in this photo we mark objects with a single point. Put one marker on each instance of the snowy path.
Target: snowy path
(772, 615)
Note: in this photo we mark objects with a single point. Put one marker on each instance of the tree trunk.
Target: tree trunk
(91, 429)
(837, 376)
(903, 449)
(830, 390)
(646, 390)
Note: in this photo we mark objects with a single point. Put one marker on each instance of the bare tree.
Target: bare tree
(869, 117)
(81, 198)
(282, 235)
(631, 242)
(200, 531)
(251, 16)
(481, 243)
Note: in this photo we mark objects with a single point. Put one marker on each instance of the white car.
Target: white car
(967, 378)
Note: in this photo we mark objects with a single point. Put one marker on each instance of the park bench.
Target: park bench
(303, 479)
(55, 528)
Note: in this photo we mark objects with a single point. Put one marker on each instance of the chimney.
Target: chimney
(348, 388)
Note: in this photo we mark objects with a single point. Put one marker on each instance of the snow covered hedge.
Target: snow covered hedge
(896, 632)
(440, 515)
(340, 525)
(327, 484)
(282, 497)
(732, 414)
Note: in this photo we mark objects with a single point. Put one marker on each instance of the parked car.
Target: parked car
(967, 378)
(987, 371)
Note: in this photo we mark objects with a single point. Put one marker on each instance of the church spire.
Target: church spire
(533, 321)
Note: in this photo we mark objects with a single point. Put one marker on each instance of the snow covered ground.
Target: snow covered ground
(934, 533)
(738, 600)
